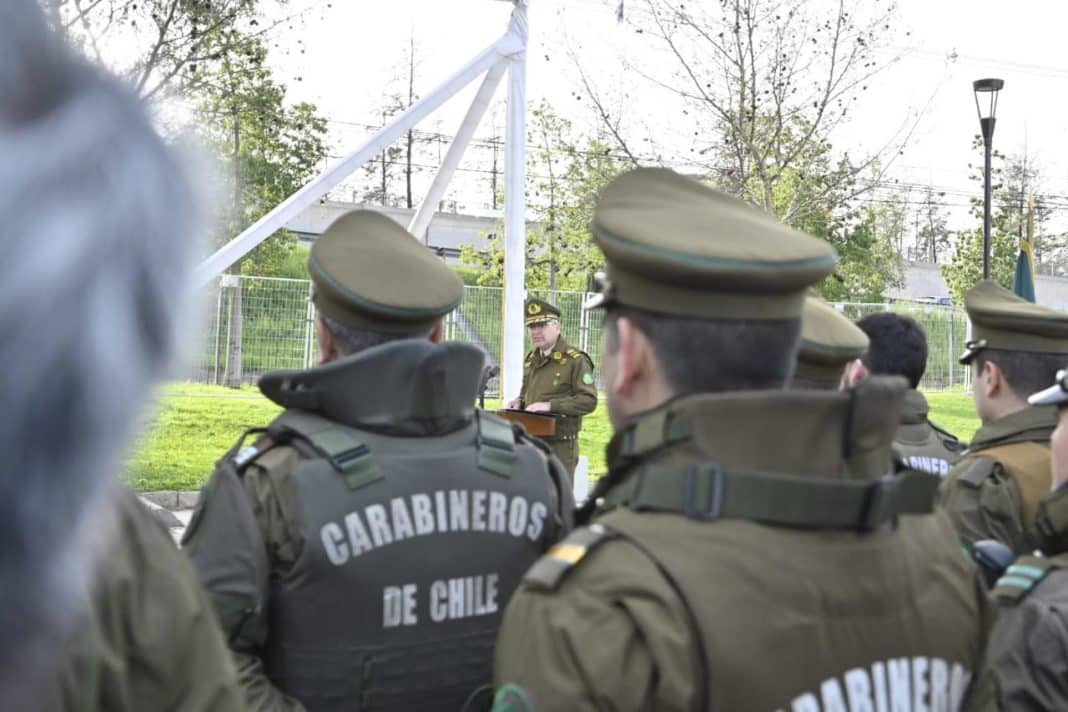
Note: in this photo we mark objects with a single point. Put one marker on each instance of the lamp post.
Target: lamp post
(987, 90)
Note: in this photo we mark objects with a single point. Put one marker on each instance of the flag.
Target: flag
(1023, 283)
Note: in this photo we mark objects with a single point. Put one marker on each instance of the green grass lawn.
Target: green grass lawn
(195, 425)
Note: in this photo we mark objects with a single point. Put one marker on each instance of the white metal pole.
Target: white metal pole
(481, 102)
(515, 212)
(508, 45)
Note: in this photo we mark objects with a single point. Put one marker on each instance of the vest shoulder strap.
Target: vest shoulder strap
(706, 491)
(1021, 578)
(495, 443)
(550, 570)
(240, 456)
(340, 445)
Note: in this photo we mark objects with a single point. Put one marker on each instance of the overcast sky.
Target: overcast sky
(353, 48)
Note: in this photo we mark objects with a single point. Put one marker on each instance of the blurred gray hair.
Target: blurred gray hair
(97, 221)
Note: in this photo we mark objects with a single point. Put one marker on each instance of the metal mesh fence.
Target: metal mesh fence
(253, 325)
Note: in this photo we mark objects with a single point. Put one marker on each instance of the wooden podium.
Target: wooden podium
(539, 425)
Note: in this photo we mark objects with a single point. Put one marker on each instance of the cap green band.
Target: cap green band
(1018, 340)
(699, 302)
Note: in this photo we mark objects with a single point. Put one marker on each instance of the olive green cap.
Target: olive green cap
(1002, 320)
(370, 274)
(1057, 394)
(539, 311)
(828, 342)
(675, 246)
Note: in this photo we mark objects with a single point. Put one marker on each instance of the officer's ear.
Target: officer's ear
(635, 361)
(855, 372)
(990, 379)
(328, 350)
(438, 334)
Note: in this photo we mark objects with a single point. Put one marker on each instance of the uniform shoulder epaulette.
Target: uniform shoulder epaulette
(577, 354)
(551, 569)
(1021, 578)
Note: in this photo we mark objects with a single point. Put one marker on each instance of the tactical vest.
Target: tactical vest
(410, 549)
(806, 591)
(1028, 464)
(820, 619)
(923, 447)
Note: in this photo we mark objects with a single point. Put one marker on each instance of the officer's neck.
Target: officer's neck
(549, 349)
(995, 409)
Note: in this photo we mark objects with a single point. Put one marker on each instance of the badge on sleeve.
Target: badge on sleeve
(587, 378)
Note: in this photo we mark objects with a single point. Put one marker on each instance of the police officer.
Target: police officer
(1027, 648)
(558, 379)
(361, 550)
(829, 342)
(746, 550)
(899, 348)
(1018, 347)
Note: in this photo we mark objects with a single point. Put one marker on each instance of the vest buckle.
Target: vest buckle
(876, 505)
(703, 491)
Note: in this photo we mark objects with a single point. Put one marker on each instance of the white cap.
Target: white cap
(1055, 394)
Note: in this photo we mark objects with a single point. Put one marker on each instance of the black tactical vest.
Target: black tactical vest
(409, 549)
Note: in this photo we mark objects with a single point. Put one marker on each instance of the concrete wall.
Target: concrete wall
(447, 231)
(923, 279)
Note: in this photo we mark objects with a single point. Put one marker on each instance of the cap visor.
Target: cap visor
(597, 301)
(1050, 396)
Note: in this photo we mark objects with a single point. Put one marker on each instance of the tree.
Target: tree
(933, 237)
(762, 85)
(966, 268)
(866, 240)
(268, 150)
(159, 46)
(565, 174)
(401, 154)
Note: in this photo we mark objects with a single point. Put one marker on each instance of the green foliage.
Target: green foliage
(268, 149)
(468, 275)
(1010, 183)
(565, 174)
(295, 263)
(869, 261)
(966, 269)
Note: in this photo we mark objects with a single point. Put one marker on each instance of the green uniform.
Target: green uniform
(992, 492)
(921, 444)
(1029, 646)
(360, 552)
(779, 614)
(748, 550)
(563, 378)
(150, 640)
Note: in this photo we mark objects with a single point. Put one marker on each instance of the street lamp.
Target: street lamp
(987, 90)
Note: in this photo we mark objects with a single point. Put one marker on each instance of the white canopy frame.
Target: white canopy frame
(507, 53)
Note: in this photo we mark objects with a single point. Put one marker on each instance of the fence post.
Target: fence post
(218, 326)
(309, 328)
(952, 360)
